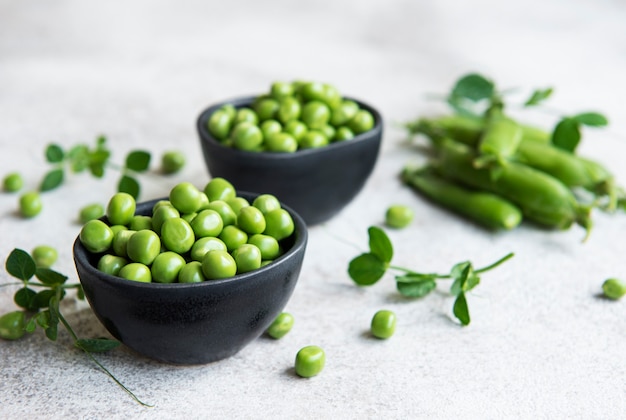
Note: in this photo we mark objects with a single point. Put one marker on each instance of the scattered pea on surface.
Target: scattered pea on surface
(12, 182)
(91, 212)
(614, 288)
(398, 216)
(30, 204)
(383, 324)
(310, 361)
(12, 325)
(44, 255)
(172, 162)
(281, 325)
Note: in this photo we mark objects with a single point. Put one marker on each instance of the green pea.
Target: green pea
(188, 217)
(363, 121)
(166, 266)
(312, 91)
(289, 110)
(310, 361)
(237, 204)
(161, 203)
(269, 246)
(162, 214)
(614, 288)
(297, 129)
(251, 220)
(266, 203)
(44, 255)
(247, 136)
(329, 131)
(344, 112)
(191, 273)
(117, 228)
(204, 201)
(230, 110)
(343, 133)
(111, 264)
(204, 245)
(218, 264)
(30, 204)
(177, 235)
(207, 223)
(247, 257)
(246, 115)
(90, 212)
(219, 189)
(12, 325)
(13, 182)
(233, 237)
(398, 216)
(120, 242)
(140, 222)
(96, 236)
(331, 97)
(219, 124)
(143, 246)
(313, 139)
(280, 326)
(266, 108)
(383, 324)
(227, 214)
(278, 224)
(185, 197)
(172, 162)
(121, 209)
(315, 114)
(281, 142)
(136, 272)
(270, 127)
(281, 90)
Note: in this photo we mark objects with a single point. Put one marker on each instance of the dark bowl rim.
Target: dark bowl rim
(239, 101)
(300, 241)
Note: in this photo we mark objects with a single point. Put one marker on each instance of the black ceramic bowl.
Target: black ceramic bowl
(316, 183)
(192, 323)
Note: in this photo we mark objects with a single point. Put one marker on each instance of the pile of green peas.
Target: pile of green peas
(291, 116)
(192, 237)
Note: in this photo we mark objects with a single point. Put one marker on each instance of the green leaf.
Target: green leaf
(80, 293)
(566, 134)
(53, 307)
(31, 325)
(52, 179)
(138, 160)
(460, 273)
(591, 119)
(379, 244)
(473, 87)
(24, 297)
(415, 277)
(97, 162)
(415, 289)
(101, 142)
(20, 264)
(461, 312)
(366, 269)
(538, 96)
(42, 299)
(472, 281)
(79, 158)
(96, 345)
(54, 153)
(48, 276)
(129, 185)
(52, 331)
(43, 319)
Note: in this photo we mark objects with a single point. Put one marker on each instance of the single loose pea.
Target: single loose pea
(219, 124)
(121, 209)
(172, 161)
(614, 288)
(143, 246)
(228, 215)
(90, 212)
(162, 214)
(289, 110)
(279, 224)
(233, 237)
(96, 236)
(247, 257)
(191, 273)
(246, 115)
(343, 133)
(281, 325)
(398, 216)
(185, 197)
(269, 246)
(266, 203)
(120, 242)
(12, 182)
(44, 255)
(251, 220)
(315, 114)
(111, 264)
(281, 90)
(136, 272)
(310, 361)
(30, 204)
(166, 266)
(12, 325)
(266, 108)
(343, 112)
(218, 264)
(270, 127)
(207, 223)
(237, 204)
(204, 245)
(383, 324)
(313, 139)
(281, 142)
(177, 235)
(297, 129)
(140, 222)
(363, 121)
(219, 189)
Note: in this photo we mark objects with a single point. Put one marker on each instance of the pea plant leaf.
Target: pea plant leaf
(129, 185)
(31, 325)
(460, 273)
(52, 179)
(460, 309)
(50, 277)
(566, 134)
(415, 289)
(98, 160)
(53, 307)
(538, 96)
(43, 319)
(79, 158)
(138, 160)
(54, 153)
(42, 299)
(591, 119)
(20, 264)
(96, 345)
(366, 269)
(473, 87)
(24, 297)
(380, 244)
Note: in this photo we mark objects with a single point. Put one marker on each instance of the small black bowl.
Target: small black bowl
(192, 323)
(316, 183)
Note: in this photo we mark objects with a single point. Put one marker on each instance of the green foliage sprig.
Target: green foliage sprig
(369, 267)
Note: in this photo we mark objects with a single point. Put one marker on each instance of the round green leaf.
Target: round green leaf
(54, 153)
(25, 297)
(138, 160)
(566, 134)
(592, 119)
(20, 264)
(129, 185)
(379, 244)
(52, 180)
(366, 269)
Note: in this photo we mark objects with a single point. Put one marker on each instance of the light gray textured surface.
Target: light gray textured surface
(541, 343)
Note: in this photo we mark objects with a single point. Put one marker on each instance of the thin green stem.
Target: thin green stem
(37, 284)
(407, 271)
(495, 264)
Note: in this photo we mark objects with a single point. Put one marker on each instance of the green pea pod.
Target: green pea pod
(498, 142)
(486, 209)
(541, 197)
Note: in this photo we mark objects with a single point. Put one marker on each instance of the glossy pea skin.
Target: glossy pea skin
(219, 124)
(117, 228)
(313, 139)
(343, 133)
(383, 324)
(96, 236)
(204, 245)
(281, 90)
(111, 264)
(12, 182)
(362, 121)
(315, 114)
(278, 224)
(233, 237)
(228, 215)
(30, 204)
(207, 223)
(229, 110)
(12, 325)
(268, 245)
(219, 189)
(266, 203)
(218, 265)
(269, 127)
(297, 129)
(246, 115)
(310, 361)
(91, 212)
(251, 220)
(121, 209)
(191, 273)
(247, 257)
(162, 214)
(140, 222)
(137, 272)
(343, 112)
(166, 266)
(398, 216)
(247, 136)
(329, 132)
(120, 242)
(185, 197)
(237, 204)
(143, 246)
(266, 108)
(614, 288)
(280, 326)
(172, 162)
(281, 142)
(188, 217)
(312, 91)
(289, 110)
(177, 235)
(44, 255)
(161, 203)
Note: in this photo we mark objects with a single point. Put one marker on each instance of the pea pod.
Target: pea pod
(541, 197)
(484, 208)
(499, 141)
